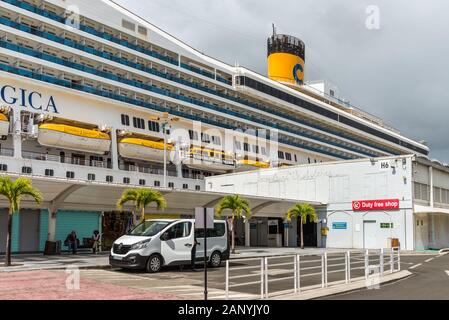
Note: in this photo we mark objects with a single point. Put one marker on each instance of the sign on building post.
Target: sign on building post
(204, 219)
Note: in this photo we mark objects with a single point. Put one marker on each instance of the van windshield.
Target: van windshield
(149, 228)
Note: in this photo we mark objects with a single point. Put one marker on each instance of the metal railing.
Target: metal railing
(4, 152)
(289, 274)
(65, 159)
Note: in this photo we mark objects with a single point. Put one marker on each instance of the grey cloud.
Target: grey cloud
(399, 73)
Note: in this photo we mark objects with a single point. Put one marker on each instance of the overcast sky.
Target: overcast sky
(399, 72)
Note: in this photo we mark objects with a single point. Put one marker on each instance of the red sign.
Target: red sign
(370, 205)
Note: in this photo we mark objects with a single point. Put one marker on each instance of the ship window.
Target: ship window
(27, 170)
(238, 145)
(198, 188)
(216, 140)
(171, 185)
(296, 158)
(128, 25)
(309, 160)
(281, 155)
(49, 172)
(263, 151)
(153, 126)
(70, 175)
(193, 135)
(246, 146)
(109, 179)
(142, 30)
(91, 177)
(157, 183)
(126, 180)
(255, 148)
(142, 182)
(3, 167)
(125, 120)
(139, 123)
(185, 186)
(288, 156)
(205, 138)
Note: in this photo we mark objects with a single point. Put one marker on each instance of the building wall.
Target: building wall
(83, 222)
(337, 185)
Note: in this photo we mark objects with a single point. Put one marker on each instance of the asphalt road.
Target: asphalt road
(430, 281)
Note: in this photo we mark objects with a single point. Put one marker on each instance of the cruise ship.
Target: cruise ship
(90, 91)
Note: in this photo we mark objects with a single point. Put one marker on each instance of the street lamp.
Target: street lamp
(166, 121)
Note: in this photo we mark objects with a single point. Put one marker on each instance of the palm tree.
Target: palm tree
(142, 198)
(302, 211)
(240, 209)
(13, 191)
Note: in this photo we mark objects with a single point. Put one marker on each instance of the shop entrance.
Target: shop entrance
(115, 225)
(310, 234)
(266, 232)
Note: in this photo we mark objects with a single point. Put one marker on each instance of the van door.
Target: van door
(177, 246)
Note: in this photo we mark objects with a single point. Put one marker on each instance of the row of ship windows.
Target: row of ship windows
(139, 123)
(92, 177)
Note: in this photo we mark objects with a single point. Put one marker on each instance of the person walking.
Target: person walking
(96, 242)
(193, 254)
(72, 241)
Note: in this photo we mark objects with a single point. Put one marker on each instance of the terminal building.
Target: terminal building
(363, 203)
(95, 99)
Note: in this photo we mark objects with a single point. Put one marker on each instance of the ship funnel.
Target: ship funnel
(286, 59)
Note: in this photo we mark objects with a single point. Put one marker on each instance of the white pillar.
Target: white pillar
(247, 234)
(51, 224)
(114, 150)
(17, 137)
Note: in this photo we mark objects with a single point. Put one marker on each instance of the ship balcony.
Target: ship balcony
(65, 159)
(146, 169)
(4, 152)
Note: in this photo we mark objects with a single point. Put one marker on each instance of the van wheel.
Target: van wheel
(215, 259)
(154, 264)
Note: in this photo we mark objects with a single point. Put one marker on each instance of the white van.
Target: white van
(167, 242)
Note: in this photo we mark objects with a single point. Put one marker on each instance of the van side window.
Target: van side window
(180, 230)
(218, 231)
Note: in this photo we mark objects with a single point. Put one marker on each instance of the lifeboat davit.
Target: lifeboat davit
(248, 165)
(143, 149)
(210, 160)
(4, 125)
(74, 138)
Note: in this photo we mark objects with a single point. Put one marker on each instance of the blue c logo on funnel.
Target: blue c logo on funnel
(297, 77)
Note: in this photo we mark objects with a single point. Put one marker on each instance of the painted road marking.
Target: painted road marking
(428, 260)
(416, 266)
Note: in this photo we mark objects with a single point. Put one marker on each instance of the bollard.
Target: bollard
(298, 263)
(366, 264)
(261, 278)
(382, 262)
(322, 271)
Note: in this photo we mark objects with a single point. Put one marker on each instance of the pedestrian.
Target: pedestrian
(193, 254)
(72, 242)
(96, 237)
